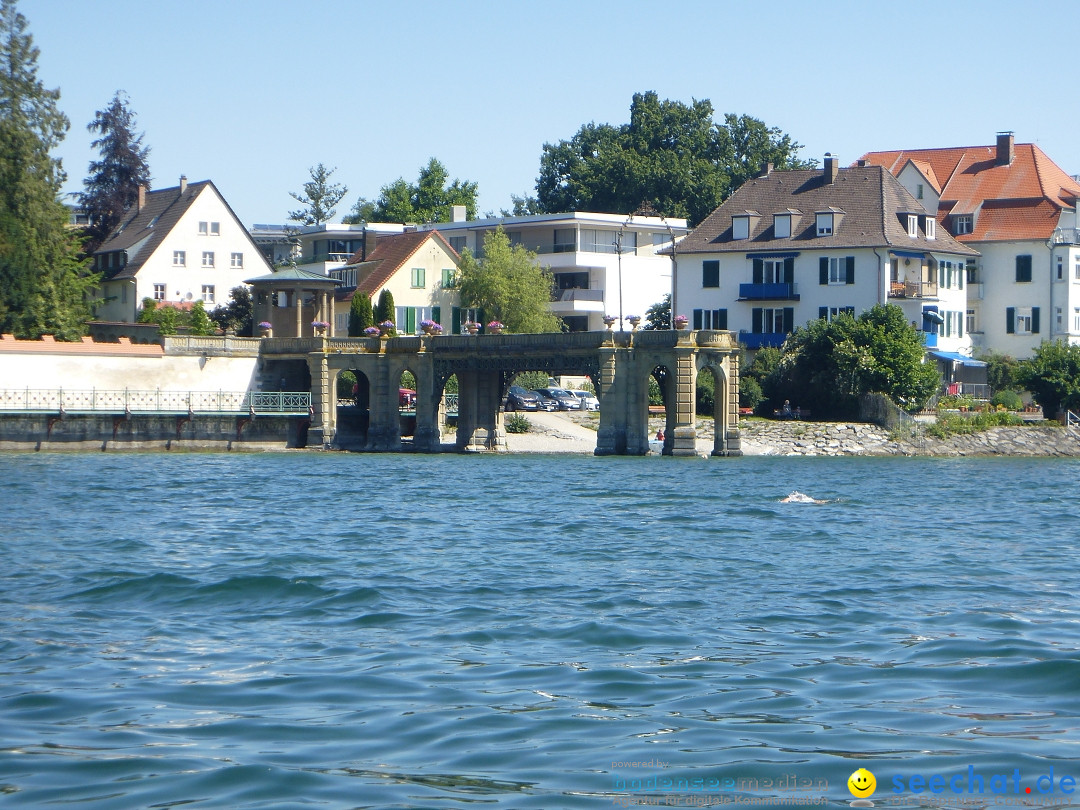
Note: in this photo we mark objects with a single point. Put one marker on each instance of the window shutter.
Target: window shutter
(1010, 320)
(850, 269)
(789, 270)
(1034, 320)
(759, 271)
(960, 273)
(823, 270)
(823, 312)
(1023, 268)
(697, 319)
(710, 273)
(720, 319)
(436, 315)
(789, 319)
(755, 320)
(410, 320)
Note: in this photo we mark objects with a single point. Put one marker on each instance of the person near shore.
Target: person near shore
(660, 435)
(786, 410)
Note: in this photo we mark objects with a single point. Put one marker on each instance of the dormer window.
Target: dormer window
(931, 228)
(825, 224)
(963, 223)
(740, 227)
(912, 225)
(781, 226)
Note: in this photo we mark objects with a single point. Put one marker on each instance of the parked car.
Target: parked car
(588, 401)
(519, 399)
(566, 400)
(406, 398)
(545, 402)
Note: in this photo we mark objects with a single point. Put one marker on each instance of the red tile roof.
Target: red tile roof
(390, 255)
(1020, 200)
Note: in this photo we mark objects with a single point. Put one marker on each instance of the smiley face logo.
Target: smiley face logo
(862, 783)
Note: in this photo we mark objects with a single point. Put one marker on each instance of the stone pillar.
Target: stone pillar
(321, 431)
(427, 438)
(384, 426)
(480, 427)
(611, 433)
(681, 385)
(732, 441)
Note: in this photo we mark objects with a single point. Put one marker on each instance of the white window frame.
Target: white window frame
(215, 229)
(970, 321)
(963, 223)
(418, 278)
(771, 318)
(824, 224)
(1022, 323)
(159, 292)
(835, 312)
(236, 261)
(772, 271)
(1076, 319)
(208, 293)
(179, 258)
(208, 258)
(837, 270)
(740, 227)
(931, 228)
(913, 226)
(782, 226)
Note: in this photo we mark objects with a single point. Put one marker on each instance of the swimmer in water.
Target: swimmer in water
(798, 497)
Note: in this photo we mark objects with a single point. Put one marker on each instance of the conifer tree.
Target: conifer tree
(319, 197)
(43, 284)
(385, 309)
(361, 315)
(113, 183)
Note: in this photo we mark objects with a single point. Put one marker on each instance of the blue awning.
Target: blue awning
(959, 358)
(909, 254)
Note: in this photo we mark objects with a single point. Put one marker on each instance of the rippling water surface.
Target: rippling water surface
(418, 631)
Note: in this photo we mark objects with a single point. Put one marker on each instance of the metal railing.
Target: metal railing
(61, 400)
(1071, 419)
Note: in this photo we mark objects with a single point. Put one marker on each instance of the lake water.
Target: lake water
(331, 630)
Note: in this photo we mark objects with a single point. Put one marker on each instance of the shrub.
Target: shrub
(516, 423)
(1008, 399)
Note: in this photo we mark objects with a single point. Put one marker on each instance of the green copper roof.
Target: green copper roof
(294, 274)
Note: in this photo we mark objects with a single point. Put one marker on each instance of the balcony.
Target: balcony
(757, 340)
(768, 292)
(568, 302)
(913, 289)
(1066, 236)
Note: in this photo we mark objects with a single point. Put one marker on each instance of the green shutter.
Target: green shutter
(1034, 320)
(823, 270)
(850, 269)
(410, 320)
(436, 315)
(759, 271)
(1010, 320)
(789, 270)
(455, 320)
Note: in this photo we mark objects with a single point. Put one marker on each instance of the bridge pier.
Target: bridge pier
(480, 427)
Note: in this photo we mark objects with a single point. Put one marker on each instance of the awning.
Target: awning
(962, 359)
(909, 254)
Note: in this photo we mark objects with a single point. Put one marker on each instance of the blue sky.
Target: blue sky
(251, 93)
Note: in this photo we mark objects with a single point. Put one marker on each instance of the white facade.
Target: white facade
(603, 264)
(328, 246)
(205, 254)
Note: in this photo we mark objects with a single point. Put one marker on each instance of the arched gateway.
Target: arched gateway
(619, 364)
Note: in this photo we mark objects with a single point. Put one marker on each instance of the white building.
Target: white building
(175, 245)
(1017, 208)
(603, 264)
(791, 246)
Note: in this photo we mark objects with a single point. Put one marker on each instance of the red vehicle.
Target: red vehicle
(406, 398)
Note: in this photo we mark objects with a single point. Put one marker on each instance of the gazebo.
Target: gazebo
(292, 299)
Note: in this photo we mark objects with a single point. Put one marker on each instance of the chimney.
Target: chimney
(183, 183)
(457, 213)
(140, 202)
(832, 169)
(766, 170)
(1004, 148)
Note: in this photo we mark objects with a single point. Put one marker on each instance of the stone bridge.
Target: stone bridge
(618, 363)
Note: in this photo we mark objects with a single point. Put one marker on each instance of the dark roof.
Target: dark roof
(873, 203)
(390, 254)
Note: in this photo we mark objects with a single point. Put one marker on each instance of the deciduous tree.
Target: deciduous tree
(236, 315)
(670, 154)
(509, 286)
(113, 183)
(319, 197)
(1052, 375)
(430, 199)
